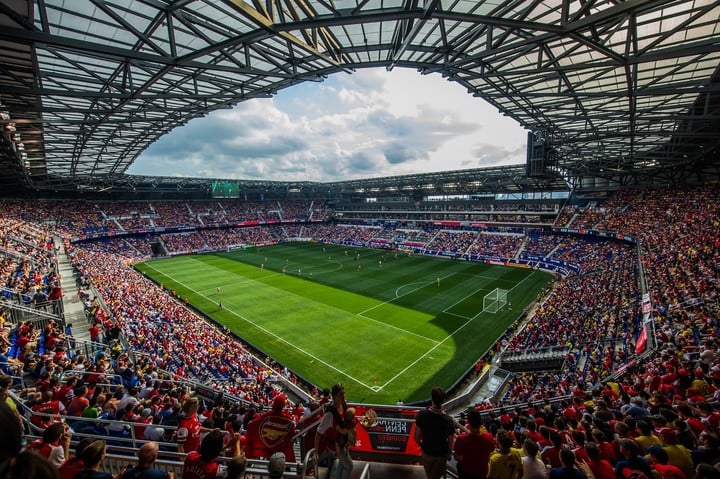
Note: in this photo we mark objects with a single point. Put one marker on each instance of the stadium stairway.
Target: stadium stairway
(72, 304)
(380, 470)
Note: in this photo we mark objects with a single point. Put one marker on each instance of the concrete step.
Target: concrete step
(72, 304)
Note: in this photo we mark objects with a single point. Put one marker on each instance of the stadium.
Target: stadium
(572, 296)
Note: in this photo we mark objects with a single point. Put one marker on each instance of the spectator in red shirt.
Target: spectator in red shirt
(189, 428)
(473, 449)
(79, 402)
(551, 454)
(202, 464)
(94, 331)
(601, 468)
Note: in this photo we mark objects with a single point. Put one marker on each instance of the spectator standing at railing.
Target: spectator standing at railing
(94, 331)
(271, 432)
(189, 428)
(435, 433)
(329, 445)
(473, 449)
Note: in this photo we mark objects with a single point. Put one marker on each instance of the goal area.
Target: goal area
(495, 300)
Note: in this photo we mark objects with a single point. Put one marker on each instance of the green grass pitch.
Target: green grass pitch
(389, 327)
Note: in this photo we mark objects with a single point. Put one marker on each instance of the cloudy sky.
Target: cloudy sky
(369, 124)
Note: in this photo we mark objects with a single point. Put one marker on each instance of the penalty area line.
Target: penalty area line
(461, 327)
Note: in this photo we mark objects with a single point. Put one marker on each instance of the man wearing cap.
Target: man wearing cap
(271, 432)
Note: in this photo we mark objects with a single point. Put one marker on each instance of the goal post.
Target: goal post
(495, 300)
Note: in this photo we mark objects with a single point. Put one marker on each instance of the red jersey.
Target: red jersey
(602, 469)
(473, 454)
(188, 433)
(49, 407)
(668, 471)
(269, 433)
(195, 468)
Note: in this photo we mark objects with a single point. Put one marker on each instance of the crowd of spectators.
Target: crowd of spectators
(451, 242)
(542, 244)
(510, 212)
(594, 315)
(80, 218)
(499, 246)
(175, 338)
(27, 270)
(680, 252)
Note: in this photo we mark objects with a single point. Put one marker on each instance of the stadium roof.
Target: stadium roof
(616, 92)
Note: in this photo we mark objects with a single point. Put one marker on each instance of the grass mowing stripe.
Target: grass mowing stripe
(270, 333)
(385, 325)
(319, 316)
(280, 338)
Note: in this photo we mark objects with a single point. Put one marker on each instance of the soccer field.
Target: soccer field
(389, 327)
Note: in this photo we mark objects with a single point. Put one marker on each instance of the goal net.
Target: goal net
(495, 300)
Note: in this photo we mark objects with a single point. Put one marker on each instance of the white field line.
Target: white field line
(372, 388)
(443, 341)
(405, 331)
(270, 333)
(398, 296)
(272, 274)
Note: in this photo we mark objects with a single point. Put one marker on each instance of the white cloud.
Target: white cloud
(372, 123)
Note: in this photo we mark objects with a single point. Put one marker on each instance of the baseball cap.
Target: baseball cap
(276, 465)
